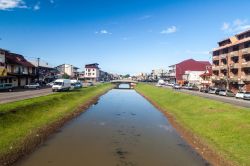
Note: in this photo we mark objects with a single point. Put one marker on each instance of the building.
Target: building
(15, 69)
(159, 74)
(69, 70)
(231, 63)
(45, 72)
(206, 78)
(181, 72)
(92, 72)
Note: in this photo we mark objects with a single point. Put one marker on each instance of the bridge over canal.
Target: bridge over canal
(131, 83)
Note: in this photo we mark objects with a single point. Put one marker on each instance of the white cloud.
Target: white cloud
(145, 17)
(169, 30)
(11, 4)
(236, 26)
(37, 6)
(103, 32)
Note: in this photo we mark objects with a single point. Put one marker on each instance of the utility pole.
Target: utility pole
(228, 70)
(38, 66)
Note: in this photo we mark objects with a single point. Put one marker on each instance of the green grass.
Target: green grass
(223, 127)
(20, 119)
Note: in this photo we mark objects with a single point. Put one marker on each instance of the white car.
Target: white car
(246, 96)
(240, 95)
(50, 83)
(33, 86)
(176, 86)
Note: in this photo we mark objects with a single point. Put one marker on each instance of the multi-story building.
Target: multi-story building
(231, 63)
(69, 70)
(15, 69)
(92, 72)
(180, 72)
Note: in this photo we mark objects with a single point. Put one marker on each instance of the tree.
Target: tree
(127, 76)
(65, 76)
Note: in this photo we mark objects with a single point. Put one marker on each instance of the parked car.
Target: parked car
(61, 85)
(50, 83)
(212, 90)
(33, 86)
(204, 89)
(226, 93)
(217, 91)
(176, 86)
(240, 95)
(6, 87)
(246, 96)
(78, 85)
(194, 88)
(186, 87)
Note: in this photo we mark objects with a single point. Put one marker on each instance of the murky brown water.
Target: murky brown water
(122, 129)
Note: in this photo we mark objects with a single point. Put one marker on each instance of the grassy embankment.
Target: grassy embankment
(222, 127)
(19, 120)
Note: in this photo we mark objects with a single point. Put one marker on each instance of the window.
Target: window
(247, 45)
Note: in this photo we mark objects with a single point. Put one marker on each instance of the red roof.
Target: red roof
(191, 65)
(17, 59)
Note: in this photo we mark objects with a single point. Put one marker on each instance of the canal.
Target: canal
(122, 129)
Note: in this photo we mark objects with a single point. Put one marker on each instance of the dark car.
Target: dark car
(217, 91)
(204, 89)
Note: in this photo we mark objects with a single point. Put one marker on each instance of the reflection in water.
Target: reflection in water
(123, 129)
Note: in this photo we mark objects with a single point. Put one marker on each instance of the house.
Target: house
(187, 71)
(45, 72)
(92, 72)
(15, 69)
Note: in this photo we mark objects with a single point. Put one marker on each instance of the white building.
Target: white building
(68, 69)
(193, 77)
(92, 72)
(159, 73)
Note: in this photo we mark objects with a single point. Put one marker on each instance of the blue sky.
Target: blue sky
(123, 36)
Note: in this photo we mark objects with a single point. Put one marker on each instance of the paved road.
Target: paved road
(230, 100)
(6, 97)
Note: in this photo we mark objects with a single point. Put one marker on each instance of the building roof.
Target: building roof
(190, 65)
(93, 65)
(234, 40)
(17, 59)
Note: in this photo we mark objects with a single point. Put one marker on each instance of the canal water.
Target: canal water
(122, 129)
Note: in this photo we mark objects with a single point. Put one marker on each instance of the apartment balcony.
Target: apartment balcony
(234, 54)
(235, 66)
(234, 78)
(223, 56)
(223, 67)
(246, 78)
(215, 67)
(206, 82)
(246, 51)
(215, 78)
(223, 77)
(245, 64)
(216, 58)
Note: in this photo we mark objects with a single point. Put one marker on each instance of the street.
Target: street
(6, 97)
(230, 100)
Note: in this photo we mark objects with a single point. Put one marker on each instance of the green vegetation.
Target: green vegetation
(223, 127)
(20, 119)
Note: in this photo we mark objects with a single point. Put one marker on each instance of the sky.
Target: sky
(123, 36)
